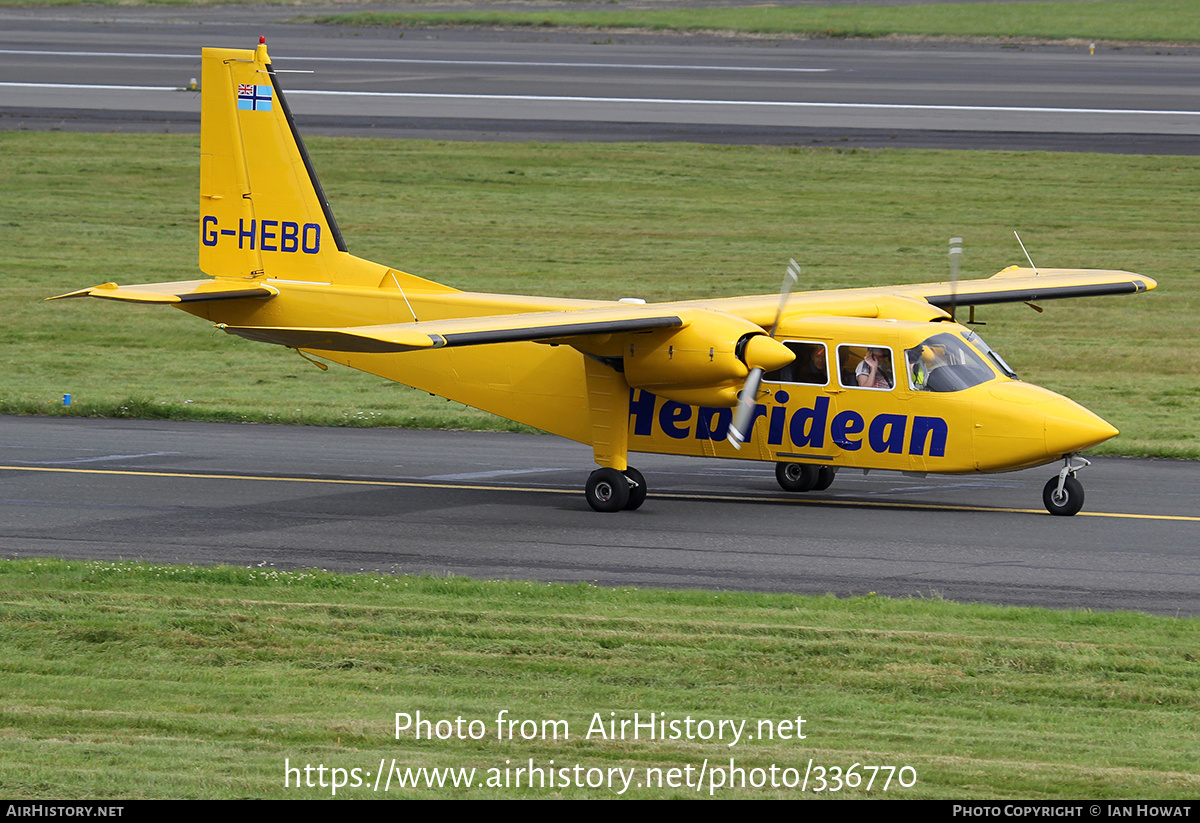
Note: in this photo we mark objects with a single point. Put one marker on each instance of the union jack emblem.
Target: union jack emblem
(253, 98)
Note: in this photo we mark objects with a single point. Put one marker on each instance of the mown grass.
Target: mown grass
(1167, 21)
(660, 221)
(128, 680)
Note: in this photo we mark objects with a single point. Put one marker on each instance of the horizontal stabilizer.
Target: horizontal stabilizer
(184, 291)
(474, 331)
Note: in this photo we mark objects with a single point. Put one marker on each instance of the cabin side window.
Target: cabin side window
(866, 367)
(810, 366)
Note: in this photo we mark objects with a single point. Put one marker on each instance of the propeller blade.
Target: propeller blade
(743, 418)
(955, 260)
(789, 282)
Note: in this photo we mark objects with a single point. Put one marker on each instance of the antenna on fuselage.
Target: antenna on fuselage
(1032, 265)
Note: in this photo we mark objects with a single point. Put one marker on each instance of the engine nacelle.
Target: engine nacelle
(706, 362)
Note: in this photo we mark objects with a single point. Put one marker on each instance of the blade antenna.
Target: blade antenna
(1032, 265)
(405, 296)
(955, 262)
(743, 416)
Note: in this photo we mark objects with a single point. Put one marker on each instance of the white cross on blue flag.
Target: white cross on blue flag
(253, 98)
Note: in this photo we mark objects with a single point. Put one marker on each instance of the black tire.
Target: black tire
(1072, 497)
(825, 475)
(796, 477)
(607, 490)
(637, 489)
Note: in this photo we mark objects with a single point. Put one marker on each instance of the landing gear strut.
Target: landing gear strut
(637, 489)
(609, 490)
(1063, 495)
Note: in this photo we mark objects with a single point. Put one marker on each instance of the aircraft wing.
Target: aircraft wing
(471, 331)
(1012, 285)
(1020, 285)
(183, 291)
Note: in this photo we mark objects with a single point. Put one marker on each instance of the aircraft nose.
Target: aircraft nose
(1071, 428)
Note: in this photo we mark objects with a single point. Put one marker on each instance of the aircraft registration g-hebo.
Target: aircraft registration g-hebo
(873, 378)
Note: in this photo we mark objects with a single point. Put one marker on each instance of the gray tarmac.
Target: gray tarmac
(491, 505)
(123, 69)
(511, 506)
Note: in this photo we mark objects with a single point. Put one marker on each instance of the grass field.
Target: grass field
(1162, 21)
(655, 220)
(128, 681)
(1154, 21)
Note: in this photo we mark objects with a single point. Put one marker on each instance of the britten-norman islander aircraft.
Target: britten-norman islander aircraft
(871, 378)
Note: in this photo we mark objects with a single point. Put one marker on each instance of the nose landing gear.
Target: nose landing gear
(1063, 495)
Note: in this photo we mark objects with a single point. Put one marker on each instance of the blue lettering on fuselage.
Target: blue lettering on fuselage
(806, 427)
(264, 235)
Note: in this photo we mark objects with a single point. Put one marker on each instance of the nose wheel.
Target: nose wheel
(1063, 495)
(609, 490)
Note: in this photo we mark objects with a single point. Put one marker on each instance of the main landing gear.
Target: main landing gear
(804, 477)
(609, 490)
(1063, 495)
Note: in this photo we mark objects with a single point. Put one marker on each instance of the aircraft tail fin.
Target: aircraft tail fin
(263, 212)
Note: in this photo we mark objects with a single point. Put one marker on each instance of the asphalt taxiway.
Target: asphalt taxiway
(492, 505)
(129, 69)
(510, 506)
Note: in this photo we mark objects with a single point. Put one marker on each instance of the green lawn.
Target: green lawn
(1154, 21)
(1163, 21)
(661, 221)
(132, 681)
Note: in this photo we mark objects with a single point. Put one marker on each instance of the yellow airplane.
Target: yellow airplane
(874, 378)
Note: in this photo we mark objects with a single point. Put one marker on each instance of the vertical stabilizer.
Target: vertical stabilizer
(262, 210)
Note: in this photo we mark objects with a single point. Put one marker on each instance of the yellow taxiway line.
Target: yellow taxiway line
(418, 484)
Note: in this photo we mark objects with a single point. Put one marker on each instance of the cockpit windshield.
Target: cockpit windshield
(977, 341)
(943, 363)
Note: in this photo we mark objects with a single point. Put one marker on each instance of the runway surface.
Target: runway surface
(491, 505)
(125, 69)
(511, 506)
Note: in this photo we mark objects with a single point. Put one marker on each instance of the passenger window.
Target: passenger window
(810, 366)
(866, 367)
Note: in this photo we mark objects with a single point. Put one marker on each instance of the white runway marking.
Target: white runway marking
(661, 101)
(101, 459)
(491, 474)
(433, 62)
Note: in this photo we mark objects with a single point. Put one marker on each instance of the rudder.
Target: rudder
(261, 205)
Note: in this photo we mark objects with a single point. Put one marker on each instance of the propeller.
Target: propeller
(743, 418)
(955, 261)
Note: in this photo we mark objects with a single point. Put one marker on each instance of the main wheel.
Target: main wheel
(607, 490)
(637, 489)
(1069, 502)
(825, 475)
(797, 477)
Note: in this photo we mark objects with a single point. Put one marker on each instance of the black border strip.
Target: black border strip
(200, 297)
(534, 333)
(1017, 296)
(349, 341)
(312, 173)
